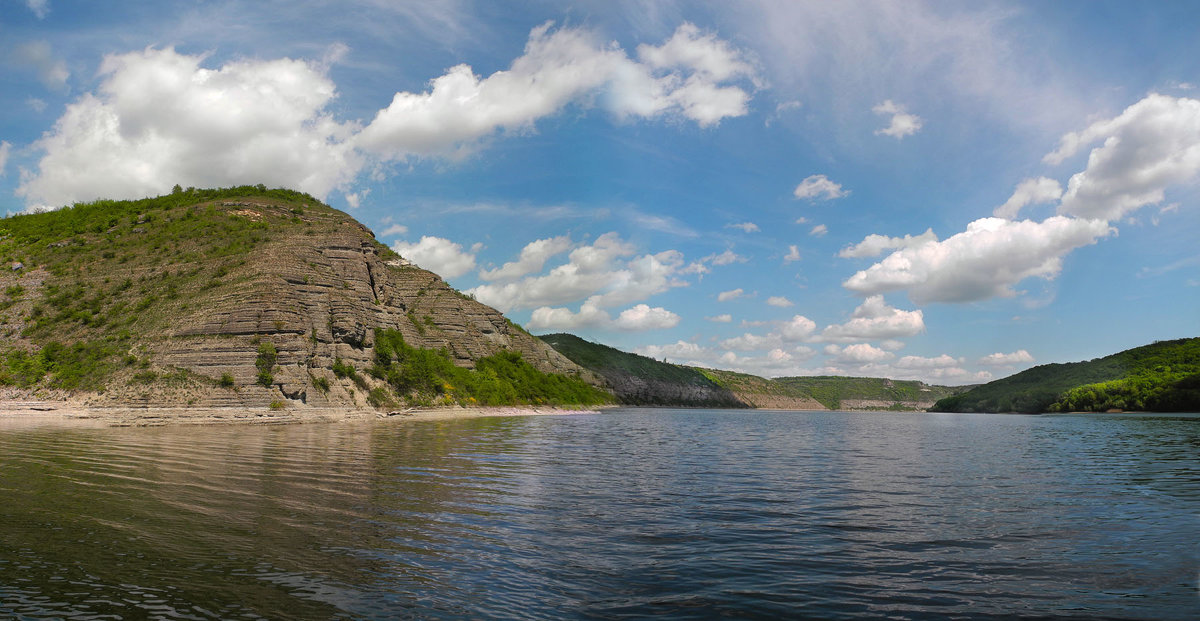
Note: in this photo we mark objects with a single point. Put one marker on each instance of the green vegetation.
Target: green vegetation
(265, 363)
(112, 269)
(833, 391)
(428, 376)
(226, 381)
(1163, 376)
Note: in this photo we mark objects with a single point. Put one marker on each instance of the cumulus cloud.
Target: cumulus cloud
(679, 350)
(438, 255)
(394, 230)
(725, 318)
(38, 56)
(902, 123)
(4, 149)
(819, 187)
(779, 300)
(1004, 360)
(725, 258)
(874, 319)
(792, 255)
(985, 261)
(604, 272)
(39, 7)
(873, 245)
(858, 353)
(747, 227)
(639, 318)
(160, 119)
(918, 362)
(798, 328)
(732, 294)
(532, 259)
(1029, 192)
(1152, 145)
(819, 230)
(689, 76)
(750, 342)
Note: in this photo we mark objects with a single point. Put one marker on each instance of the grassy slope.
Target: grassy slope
(1161, 376)
(96, 278)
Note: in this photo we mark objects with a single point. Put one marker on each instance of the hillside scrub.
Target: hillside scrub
(504, 378)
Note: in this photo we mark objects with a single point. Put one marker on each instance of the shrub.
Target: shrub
(226, 381)
(277, 405)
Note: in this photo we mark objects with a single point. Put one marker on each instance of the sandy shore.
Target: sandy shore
(23, 414)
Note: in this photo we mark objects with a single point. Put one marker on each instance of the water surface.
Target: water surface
(625, 514)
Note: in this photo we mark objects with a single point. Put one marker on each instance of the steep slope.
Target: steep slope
(236, 297)
(1163, 376)
(870, 393)
(638, 380)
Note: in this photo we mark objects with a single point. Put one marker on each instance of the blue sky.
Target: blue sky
(941, 191)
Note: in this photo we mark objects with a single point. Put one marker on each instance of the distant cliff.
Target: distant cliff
(248, 297)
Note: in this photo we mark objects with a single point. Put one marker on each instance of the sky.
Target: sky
(944, 191)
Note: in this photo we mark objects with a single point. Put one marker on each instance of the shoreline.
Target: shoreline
(27, 414)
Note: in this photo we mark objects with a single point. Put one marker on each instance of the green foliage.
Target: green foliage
(831, 391)
(226, 381)
(79, 366)
(1160, 377)
(343, 370)
(320, 383)
(277, 405)
(503, 378)
(265, 363)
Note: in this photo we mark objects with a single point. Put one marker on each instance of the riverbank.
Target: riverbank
(19, 414)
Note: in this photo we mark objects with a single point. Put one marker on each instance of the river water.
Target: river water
(624, 514)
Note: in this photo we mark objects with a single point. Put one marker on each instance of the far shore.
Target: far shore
(23, 414)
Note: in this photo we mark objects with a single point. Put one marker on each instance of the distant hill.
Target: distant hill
(1163, 376)
(870, 393)
(638, 380)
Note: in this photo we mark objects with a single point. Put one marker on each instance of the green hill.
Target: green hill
(1163, 376)
(243, 297)
(835, 392)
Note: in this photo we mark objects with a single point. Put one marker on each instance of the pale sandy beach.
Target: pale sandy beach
(24, 414)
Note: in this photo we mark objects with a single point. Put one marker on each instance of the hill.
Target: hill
(248, 297)
(638, 380)
(870, 393)
(1163, 376)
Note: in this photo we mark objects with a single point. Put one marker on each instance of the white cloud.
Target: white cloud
(891, 345)
(38, 55)
(819, 187)
(599, 272)
(685, 77)
(1002, 360)
(394, 230)
(532, 259)
(679, 350)
(1029, 192)
(798, 328)
(858, 353)
(1152, 145)
(639, 318)
(779, 300)
(39, 7)
(873, 320)
(819, 230)
(985, 261)
(438, 255)
(725, 258)
(750, 342)
(4, 149)
(732, 294)
(747, 227)
(353, 199)
(873, 245)
(35, 104)
(917, 362)
(160, 119)
(725, 318)
(801, 220)
(792, 255)
(902, 123)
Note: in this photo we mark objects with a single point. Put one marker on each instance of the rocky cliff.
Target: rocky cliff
(186, 298)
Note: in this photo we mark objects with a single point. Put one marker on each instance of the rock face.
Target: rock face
(317, 294)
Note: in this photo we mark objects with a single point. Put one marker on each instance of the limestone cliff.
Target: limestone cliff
(188, 292)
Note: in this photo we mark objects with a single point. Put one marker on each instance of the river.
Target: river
(628, 513)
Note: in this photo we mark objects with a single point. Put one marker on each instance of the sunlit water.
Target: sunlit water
(629, 513)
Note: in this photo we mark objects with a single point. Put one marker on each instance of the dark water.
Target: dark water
(626, 514)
